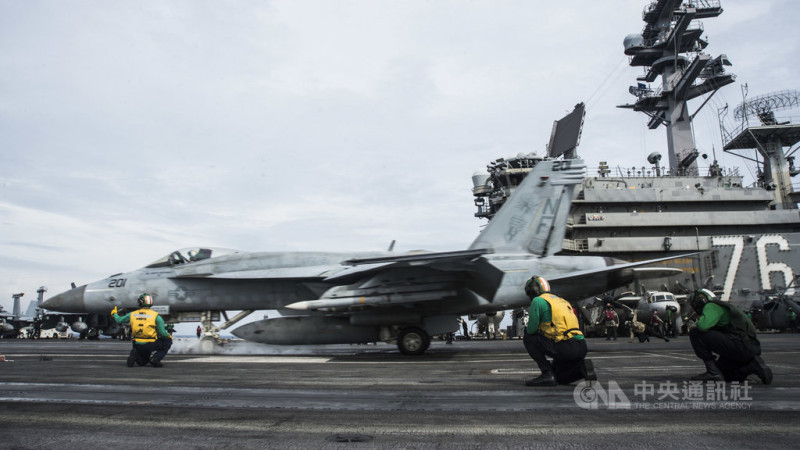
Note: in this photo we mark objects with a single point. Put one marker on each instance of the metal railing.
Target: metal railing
(729, 135)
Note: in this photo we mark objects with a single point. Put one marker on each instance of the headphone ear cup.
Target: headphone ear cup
(529, 287)
(699, 300)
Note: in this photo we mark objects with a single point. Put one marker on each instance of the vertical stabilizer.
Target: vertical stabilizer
(15, 311)
(534, 218)
(33, 310)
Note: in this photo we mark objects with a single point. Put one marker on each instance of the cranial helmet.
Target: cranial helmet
(700, 298)
(145, 300)
(536, 286)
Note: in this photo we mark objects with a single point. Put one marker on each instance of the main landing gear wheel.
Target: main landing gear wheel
(413, 341)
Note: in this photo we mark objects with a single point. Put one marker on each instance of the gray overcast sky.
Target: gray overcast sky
(133, 128)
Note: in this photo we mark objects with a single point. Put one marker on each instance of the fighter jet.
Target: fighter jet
(329, 298)
(17, 324)
(7, 328)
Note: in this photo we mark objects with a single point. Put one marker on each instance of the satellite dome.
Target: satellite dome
(633, 43)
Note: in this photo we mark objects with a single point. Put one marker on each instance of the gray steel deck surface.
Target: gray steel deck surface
(59, 394)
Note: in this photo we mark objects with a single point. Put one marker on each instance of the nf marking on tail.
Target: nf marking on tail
(533, 219)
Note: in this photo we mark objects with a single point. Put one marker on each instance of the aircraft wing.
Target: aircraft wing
(299, 272)
(394, 280)
(444, 261)
(420, 257)
(352, 270)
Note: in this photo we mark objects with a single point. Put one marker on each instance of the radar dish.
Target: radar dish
(566, 133)
(763, 105)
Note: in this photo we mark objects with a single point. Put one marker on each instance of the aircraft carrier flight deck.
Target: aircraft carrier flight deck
(471, 394)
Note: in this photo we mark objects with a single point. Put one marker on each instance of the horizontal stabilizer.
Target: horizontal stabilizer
(646, 273)
(573, 284)
(617, 267)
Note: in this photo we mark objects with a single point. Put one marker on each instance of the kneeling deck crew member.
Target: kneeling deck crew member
(725, 330)
(147, 328)
(553, 331)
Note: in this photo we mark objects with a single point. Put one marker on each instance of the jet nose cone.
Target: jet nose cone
(69, 301)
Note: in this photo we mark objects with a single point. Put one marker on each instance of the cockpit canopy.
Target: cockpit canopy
(189, 255)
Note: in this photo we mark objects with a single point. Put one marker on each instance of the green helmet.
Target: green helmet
(145, 300)
(536, 286)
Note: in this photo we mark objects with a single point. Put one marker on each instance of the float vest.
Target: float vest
(609, 315)
(563, 323)
(740, 327)
(143, 325)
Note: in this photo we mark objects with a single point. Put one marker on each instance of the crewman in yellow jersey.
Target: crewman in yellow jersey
(553, 331)
(147, 327)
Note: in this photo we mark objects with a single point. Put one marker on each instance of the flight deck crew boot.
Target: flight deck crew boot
(131, 358)
(545, 379)
(587, 370)
(156, 362)
(758, 367)
(712, 373)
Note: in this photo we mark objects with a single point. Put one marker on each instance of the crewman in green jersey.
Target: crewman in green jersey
(553, 331)
(724, 329)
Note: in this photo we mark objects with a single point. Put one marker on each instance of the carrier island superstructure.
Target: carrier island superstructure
(746, 237)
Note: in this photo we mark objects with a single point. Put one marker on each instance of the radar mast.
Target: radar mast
(670, 46)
